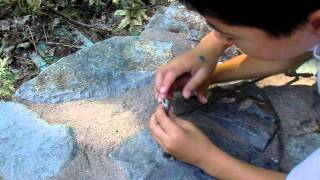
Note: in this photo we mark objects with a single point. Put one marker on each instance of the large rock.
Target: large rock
(297, 104)
(179, 41)
(107, 69)
(251, 124)
(29, 147)
(230, 141)
(178, 19)
(298, 116)
(240, 127)
(142, 158)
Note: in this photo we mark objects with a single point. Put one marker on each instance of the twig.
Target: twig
(54, 43)
(33, 42)
(44, 31)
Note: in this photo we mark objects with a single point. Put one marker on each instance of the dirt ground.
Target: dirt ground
(100, 126)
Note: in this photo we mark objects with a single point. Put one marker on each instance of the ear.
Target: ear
(314, 22)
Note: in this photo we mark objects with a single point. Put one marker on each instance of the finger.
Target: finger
(157, 139)
(171, 113)
(178, 84)
(157, 95)
(194, 83)
(168, 80)
(156, 131)
(202, 96)
(183, 123)
(158, 81)
(164, 121)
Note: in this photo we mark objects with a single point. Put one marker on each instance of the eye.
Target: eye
(230, 38)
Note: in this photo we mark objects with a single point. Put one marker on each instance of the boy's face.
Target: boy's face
(259, 44)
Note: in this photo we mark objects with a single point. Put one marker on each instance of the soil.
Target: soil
(21, 38)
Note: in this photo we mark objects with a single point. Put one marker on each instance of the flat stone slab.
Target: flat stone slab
(297, 104)
(252, 125)
(298, 116)
(30, 147)
(107, 69)
(240, 113)
(230, 142)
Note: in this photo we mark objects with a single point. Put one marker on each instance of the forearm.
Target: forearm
(223, 166)
(209, 47)
(245, 67)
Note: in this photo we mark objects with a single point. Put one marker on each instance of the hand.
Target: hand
(180, 138)
(188, 72)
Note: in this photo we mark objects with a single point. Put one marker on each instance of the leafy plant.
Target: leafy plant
(131, 18)
(33, 6)
(7, 79)
(133, 12)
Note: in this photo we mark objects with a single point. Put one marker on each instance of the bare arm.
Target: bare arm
(245, 67)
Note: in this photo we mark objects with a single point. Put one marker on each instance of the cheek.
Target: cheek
(266, 51)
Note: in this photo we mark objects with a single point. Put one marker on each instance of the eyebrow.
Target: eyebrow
(217, 29)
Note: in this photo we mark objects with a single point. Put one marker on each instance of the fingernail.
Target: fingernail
(186, 94)
(162, 96)
(163, 89)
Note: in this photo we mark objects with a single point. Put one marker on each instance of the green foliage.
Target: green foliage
(132, 18)
(34, 6)
(23, 6)
(133, 12)
(7, 80)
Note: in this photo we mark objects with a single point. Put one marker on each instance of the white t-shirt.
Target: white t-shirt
(309, 169)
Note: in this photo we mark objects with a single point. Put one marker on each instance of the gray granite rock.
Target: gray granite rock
(178, 19)
(252, 124)
(29, 147)
(230, 141)
(243, 111)
(297, 107)
(142, 158)
(273, 150)
(240, 128)
(296, 149)
(179, 41)
(107, 69)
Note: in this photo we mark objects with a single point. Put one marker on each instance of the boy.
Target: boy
(275, 36)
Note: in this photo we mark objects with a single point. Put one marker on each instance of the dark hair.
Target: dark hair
(279, 18)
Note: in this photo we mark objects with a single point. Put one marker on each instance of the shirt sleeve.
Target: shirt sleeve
(307, 169)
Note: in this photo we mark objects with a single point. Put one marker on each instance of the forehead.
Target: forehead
(234, 30)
